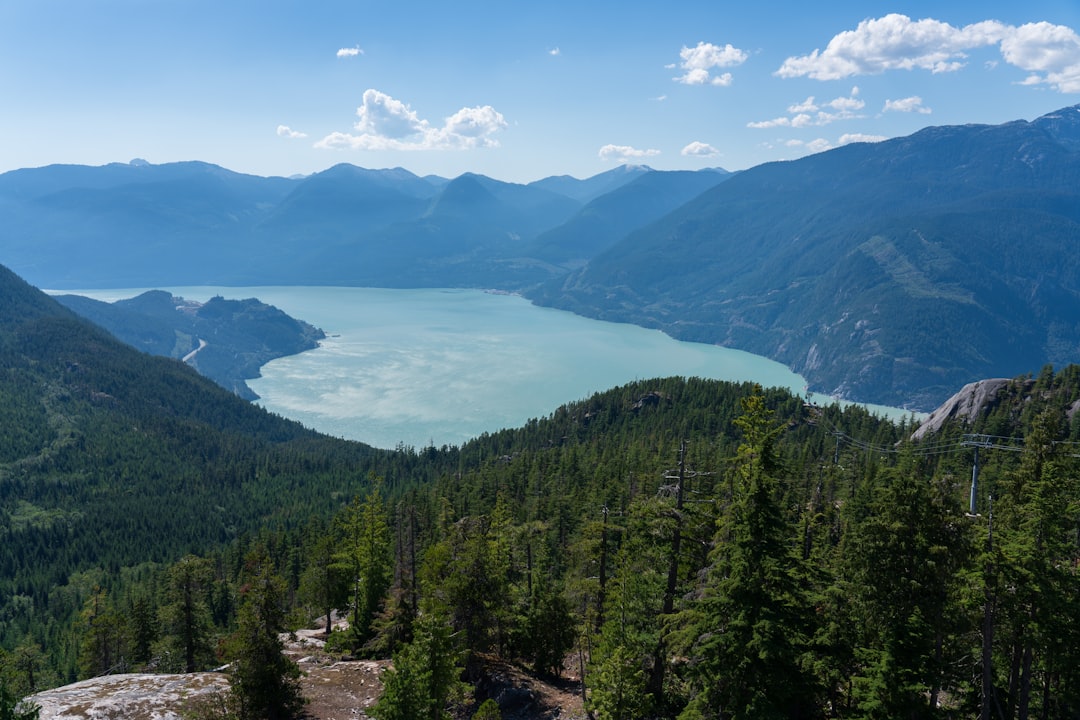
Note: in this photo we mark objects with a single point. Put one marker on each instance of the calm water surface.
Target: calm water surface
(434, 367)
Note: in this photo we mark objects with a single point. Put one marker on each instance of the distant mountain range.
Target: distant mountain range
(140, 225)
(892, 272)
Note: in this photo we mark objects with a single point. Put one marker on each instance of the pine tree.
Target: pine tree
(11, 708)
(905, 557)
(423, 679)
(748, 629)
(324, 582)
(265, 683)
(366, 552)
(185, 613)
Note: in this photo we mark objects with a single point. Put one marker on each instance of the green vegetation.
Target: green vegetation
(706, 549)
(227, 340)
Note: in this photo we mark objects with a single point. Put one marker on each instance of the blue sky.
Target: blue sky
(515, 90)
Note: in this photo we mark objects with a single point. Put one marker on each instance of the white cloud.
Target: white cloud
(624, 153)
(1050, 53)
(287, 132)
(801, 116)
(847, 104)
(894, 42)
(386, 123)
(775, 122)
(699, 149)
(349, 52)
(848, 138)
(907, 105)
(554, 52)
(699, 62)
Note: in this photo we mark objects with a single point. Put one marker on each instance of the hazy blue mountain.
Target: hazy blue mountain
(890, 272)
(226, 340)
(138, 224)
(470, 233)
(593, 187)
(609, 217)
(124, 225)
(346, 199)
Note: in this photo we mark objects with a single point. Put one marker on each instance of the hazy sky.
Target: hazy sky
(513, 89)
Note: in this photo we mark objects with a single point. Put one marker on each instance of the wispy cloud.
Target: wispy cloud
(907, 105)
(386, 123)
(698, 64)
(287, 132)
(1050, 53)
(554, 52)
(624, 153)
(699, 149)
(809, 113)
(848, 138)
(349, 52)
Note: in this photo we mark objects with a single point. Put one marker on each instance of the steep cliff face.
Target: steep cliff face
(973, 400)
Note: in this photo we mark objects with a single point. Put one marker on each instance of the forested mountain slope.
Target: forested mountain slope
(650, 537)
(892, 272)
(110, 458)
(227, 340)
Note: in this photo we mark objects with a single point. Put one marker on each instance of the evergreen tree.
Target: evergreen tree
(185, 613)
(748, 630)
(423, 679)
(905, 558)
(324, 582)
(366, 552)
(102, 644)
(11, 708)
(265, 683)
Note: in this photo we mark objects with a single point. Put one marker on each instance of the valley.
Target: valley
(635, 540)
(890, 272)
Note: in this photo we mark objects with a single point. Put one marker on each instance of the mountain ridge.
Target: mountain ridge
(856, 267)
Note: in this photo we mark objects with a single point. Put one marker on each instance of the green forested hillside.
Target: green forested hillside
(705, 549)
(110, 458)
(227, 340)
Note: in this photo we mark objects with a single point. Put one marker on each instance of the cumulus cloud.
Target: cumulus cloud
(809, 113)
(907, 105)
(287, 132)
(1049, 53)
(349, 52)
(699, 149)
(385, 123)
(894, 42)
(554, 52)
(698, 63)
(805, 106)
(624, 153)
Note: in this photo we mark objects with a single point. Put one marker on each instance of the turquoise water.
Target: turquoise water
(439, 367)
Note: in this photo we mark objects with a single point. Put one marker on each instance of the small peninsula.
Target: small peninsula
(226, 340)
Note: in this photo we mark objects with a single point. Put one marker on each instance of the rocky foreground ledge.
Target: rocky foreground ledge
(140, 696)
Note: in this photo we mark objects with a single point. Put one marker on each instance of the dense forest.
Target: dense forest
(696, 549)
